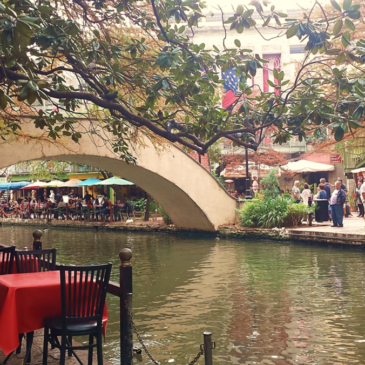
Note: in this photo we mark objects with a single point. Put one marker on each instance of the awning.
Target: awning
(239, 171)
(356, 171)
(89, 182)
(307, 166)
(115, 181)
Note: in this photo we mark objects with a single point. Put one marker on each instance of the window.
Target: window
(297, 49)
(274, 62)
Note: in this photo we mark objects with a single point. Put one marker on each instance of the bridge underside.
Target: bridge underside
(188, 193)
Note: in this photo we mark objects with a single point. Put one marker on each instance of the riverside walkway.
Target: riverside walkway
(352, 233)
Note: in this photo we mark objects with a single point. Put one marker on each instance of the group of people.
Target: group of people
(332, 205)
(59, 205)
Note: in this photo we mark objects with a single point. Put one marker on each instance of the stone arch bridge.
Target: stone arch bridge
(189, 194)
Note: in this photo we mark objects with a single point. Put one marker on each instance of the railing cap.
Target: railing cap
(37, 234)
(125, 256)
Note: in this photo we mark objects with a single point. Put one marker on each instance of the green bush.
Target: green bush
(272, 212)
(164, 215)
(139, 205)
(270, 186)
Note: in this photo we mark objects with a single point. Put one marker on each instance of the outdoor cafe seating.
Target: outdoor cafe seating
(67, 300)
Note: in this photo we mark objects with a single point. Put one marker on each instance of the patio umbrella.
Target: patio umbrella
(13, 186)
(307, 166)
(36, 185)
(70, 183)
(115, 181)
(89, 182)
(229, 181)
(54, 184)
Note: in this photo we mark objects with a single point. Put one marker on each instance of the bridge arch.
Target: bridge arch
(189, 194)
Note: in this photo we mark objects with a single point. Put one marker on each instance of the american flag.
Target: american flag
(231, 81)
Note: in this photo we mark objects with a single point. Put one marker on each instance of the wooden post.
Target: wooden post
(37, 244)
(147, 211)
(111, 210)
(126, 333)
(208, 347)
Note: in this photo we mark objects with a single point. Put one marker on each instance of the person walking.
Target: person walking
(359, 201)
(337, 200)
(296, 192)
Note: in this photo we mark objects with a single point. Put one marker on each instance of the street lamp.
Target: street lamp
(247, 185)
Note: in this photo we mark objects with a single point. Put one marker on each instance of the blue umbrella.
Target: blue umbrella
(18, 185)
(14, 186)
(88, 182)
(4, 186)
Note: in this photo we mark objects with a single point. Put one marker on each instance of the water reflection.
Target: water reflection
(266, 303)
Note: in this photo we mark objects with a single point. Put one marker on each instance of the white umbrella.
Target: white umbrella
(53, 184)
(307, 166)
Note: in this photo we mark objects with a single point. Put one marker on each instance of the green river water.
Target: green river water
(265, 302)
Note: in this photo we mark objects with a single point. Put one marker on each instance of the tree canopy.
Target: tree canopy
(122, 61)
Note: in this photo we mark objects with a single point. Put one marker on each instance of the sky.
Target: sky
(279, 4)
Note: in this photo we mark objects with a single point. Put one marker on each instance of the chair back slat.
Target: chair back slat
(35, 261)
(83, 290)
(7, 259)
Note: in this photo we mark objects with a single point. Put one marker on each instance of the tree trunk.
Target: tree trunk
(147, 211)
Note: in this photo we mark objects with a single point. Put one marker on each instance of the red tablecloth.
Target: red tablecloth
(25, 300)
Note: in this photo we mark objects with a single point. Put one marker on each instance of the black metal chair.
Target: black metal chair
(7, 260)
(28, 262)
(83, 292)
(35, 261)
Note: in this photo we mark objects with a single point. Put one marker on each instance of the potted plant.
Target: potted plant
(352, 202)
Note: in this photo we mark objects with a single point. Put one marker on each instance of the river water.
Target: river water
(265, 302)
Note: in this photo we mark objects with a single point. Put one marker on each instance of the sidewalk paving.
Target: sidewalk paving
(353, 231)
(53, 355)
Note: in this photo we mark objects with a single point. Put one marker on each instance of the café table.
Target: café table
(25, 300)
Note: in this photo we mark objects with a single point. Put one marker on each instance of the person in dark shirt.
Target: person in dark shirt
(87, 197)
(59, 196)
(327, 188)
(343, 187)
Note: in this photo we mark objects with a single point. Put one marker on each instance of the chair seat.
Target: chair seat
(75, 326)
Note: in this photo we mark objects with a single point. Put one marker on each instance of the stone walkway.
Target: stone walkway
(53, 355)
(353, 232)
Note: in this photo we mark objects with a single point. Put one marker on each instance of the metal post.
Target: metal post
(208, 347)
(126, 334)
(248, 190)
(37, 244)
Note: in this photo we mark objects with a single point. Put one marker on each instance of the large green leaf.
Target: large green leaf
(339, 134)
(338, 26)
(335, 5)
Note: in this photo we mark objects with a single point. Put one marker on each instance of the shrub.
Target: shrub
(270, 186)
(273, 212)
(164, 215)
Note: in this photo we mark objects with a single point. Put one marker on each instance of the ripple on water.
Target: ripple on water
(265, 302)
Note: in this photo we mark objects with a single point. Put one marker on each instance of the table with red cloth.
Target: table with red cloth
(25, 300)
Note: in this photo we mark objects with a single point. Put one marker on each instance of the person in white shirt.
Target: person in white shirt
(306, 194)
(362, 194)
(52, 197)
(255, 185)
